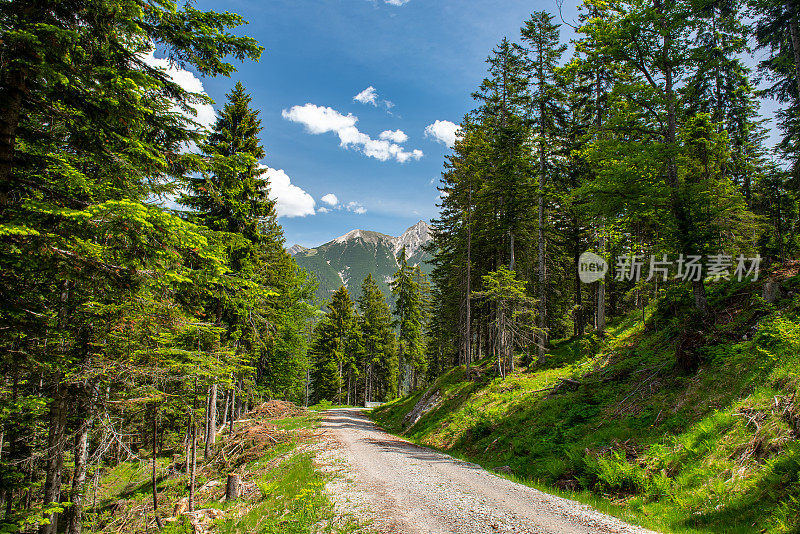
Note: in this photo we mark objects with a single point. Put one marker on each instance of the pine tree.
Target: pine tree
(513, 324)
(409, 308)
(544, 52)
(379, 343)
(333, 342)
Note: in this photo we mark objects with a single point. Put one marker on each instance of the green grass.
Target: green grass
(711, 451)
(293, 502)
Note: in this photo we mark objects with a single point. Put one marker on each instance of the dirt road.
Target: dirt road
(399, 487)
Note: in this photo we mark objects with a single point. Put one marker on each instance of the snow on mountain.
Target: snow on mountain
(412, 239)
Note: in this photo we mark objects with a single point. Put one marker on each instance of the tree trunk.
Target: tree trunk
(81, 456)
(153, 473)
(541, 268)
(55, 458)
(541, 262)
(601, 284)
(211, 423)
(468, 320)
(193, 465)
(78, 482)
(12, 443)
(678, 209)
(339, 394)
(794, 32)
(578, 289)
(13, 89)
(188, 447)
(700, 300)
(224, 420)
(233, 407)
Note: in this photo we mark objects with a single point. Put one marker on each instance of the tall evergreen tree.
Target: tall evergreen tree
(332, 348)
(409, 308)
(544, 52)
(379, 343)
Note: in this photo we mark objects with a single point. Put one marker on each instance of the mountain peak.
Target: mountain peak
(367, 236)
(413, 238)
(296, 249)
(349, 236)
(347, 259)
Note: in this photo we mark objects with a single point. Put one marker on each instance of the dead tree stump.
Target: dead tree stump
(232, 488)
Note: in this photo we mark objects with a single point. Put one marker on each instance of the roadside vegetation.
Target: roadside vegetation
(614, 421)
(272, 450)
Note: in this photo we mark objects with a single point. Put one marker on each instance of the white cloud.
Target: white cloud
(356, 208)
(319, 120)
(443, 131)
(290, 200)
(189, 82)
(330, 199)
(397, 2)
(396, 136)
(323, 209)
(367, 96)
(370, 96)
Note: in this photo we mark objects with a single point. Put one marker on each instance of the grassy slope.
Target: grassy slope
(712, 451)
(291, 500)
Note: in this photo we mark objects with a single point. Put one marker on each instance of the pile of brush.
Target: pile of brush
(251, 436)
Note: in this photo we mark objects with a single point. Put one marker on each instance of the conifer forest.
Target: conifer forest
(618, 219)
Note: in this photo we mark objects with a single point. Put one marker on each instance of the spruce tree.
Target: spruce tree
(379, 343)
(543, 53)
(409, 310)
(333, 342)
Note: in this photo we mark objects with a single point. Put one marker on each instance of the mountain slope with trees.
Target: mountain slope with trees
(347, 259)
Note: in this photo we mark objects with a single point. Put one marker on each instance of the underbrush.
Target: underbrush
(281, 491)
(712, 450)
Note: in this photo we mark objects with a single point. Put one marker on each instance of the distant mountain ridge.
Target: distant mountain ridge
(348, 259)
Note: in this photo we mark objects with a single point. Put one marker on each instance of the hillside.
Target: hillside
(615, 423)
(274, 451)
(348, 259)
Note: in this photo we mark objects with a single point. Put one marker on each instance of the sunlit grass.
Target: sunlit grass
(711, 451)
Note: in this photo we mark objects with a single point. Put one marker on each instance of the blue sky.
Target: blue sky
(359, 100)
(425, 57)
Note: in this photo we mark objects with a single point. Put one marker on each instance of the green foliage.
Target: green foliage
(411, 311)
(379, 343)
(116, 311)
(712, 452)
(335, 348)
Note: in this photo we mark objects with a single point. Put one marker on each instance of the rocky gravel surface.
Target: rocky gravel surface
(394, 486)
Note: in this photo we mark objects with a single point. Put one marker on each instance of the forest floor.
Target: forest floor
(273, 449)
(398, 487)
(615, 423)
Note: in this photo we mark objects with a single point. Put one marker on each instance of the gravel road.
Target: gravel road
(398, 487)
